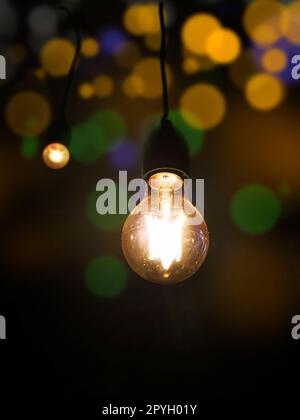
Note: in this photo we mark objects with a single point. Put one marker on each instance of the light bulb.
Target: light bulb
(165, 238)
(56, 156)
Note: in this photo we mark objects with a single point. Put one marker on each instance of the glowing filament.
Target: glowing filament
(165, 238)
(56, 156)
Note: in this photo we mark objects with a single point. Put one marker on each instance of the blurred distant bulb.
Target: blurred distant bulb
(56, 156)
(158, 239)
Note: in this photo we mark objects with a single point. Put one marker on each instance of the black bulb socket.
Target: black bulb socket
(59, 132)
(166, 150)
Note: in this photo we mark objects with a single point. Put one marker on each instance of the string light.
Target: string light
(56, 154)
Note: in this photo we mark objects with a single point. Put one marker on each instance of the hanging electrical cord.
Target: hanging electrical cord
(165, 149)
(163, 53)
(75, 59)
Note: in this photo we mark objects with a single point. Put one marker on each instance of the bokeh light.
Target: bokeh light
(103, 86)
(140, 19)
(290, 22)
(86, 142)
(29, 147)
(90, 47)
(274, 60)
(262, 21)
(123, 155)
(86, 90)
(56, 156)
(148, 71)
(28, 113)
(133, 86)
(264, 92)
(196, 31)
(42, 20)
(191, 65)
(111, 39)
(104, 222)
(57, 56)
(223, 46)
(92, 138)
(203, 106)
(106, 276)
(255, 209)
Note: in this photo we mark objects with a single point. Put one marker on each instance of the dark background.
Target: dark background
(225, 333)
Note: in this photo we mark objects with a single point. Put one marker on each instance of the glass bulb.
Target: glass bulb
(56, 156)
(165, 238)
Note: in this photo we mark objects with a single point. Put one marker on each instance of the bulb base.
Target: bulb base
(165, 181)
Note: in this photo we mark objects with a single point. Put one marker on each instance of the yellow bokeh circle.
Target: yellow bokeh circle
(264, 92)
(56, 156)
(103, 86)
(90, 47)
(28, 113)
(274, 60)
(142, 19)
(86, 90)
(262, 21)
(191, 65)
(131, 20)
(196, 31)
(133, 86)
(148, 70)
(57, 56)
(290, 22)
(203, 106)
(223, 46)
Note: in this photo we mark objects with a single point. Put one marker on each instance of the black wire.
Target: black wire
(75, 59)
(163, 53)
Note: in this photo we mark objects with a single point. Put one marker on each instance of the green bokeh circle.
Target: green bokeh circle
(106, 222)
(106, 276)
(94, 137)
(255, 209)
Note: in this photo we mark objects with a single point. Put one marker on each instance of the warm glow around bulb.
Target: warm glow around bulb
(56, 156)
